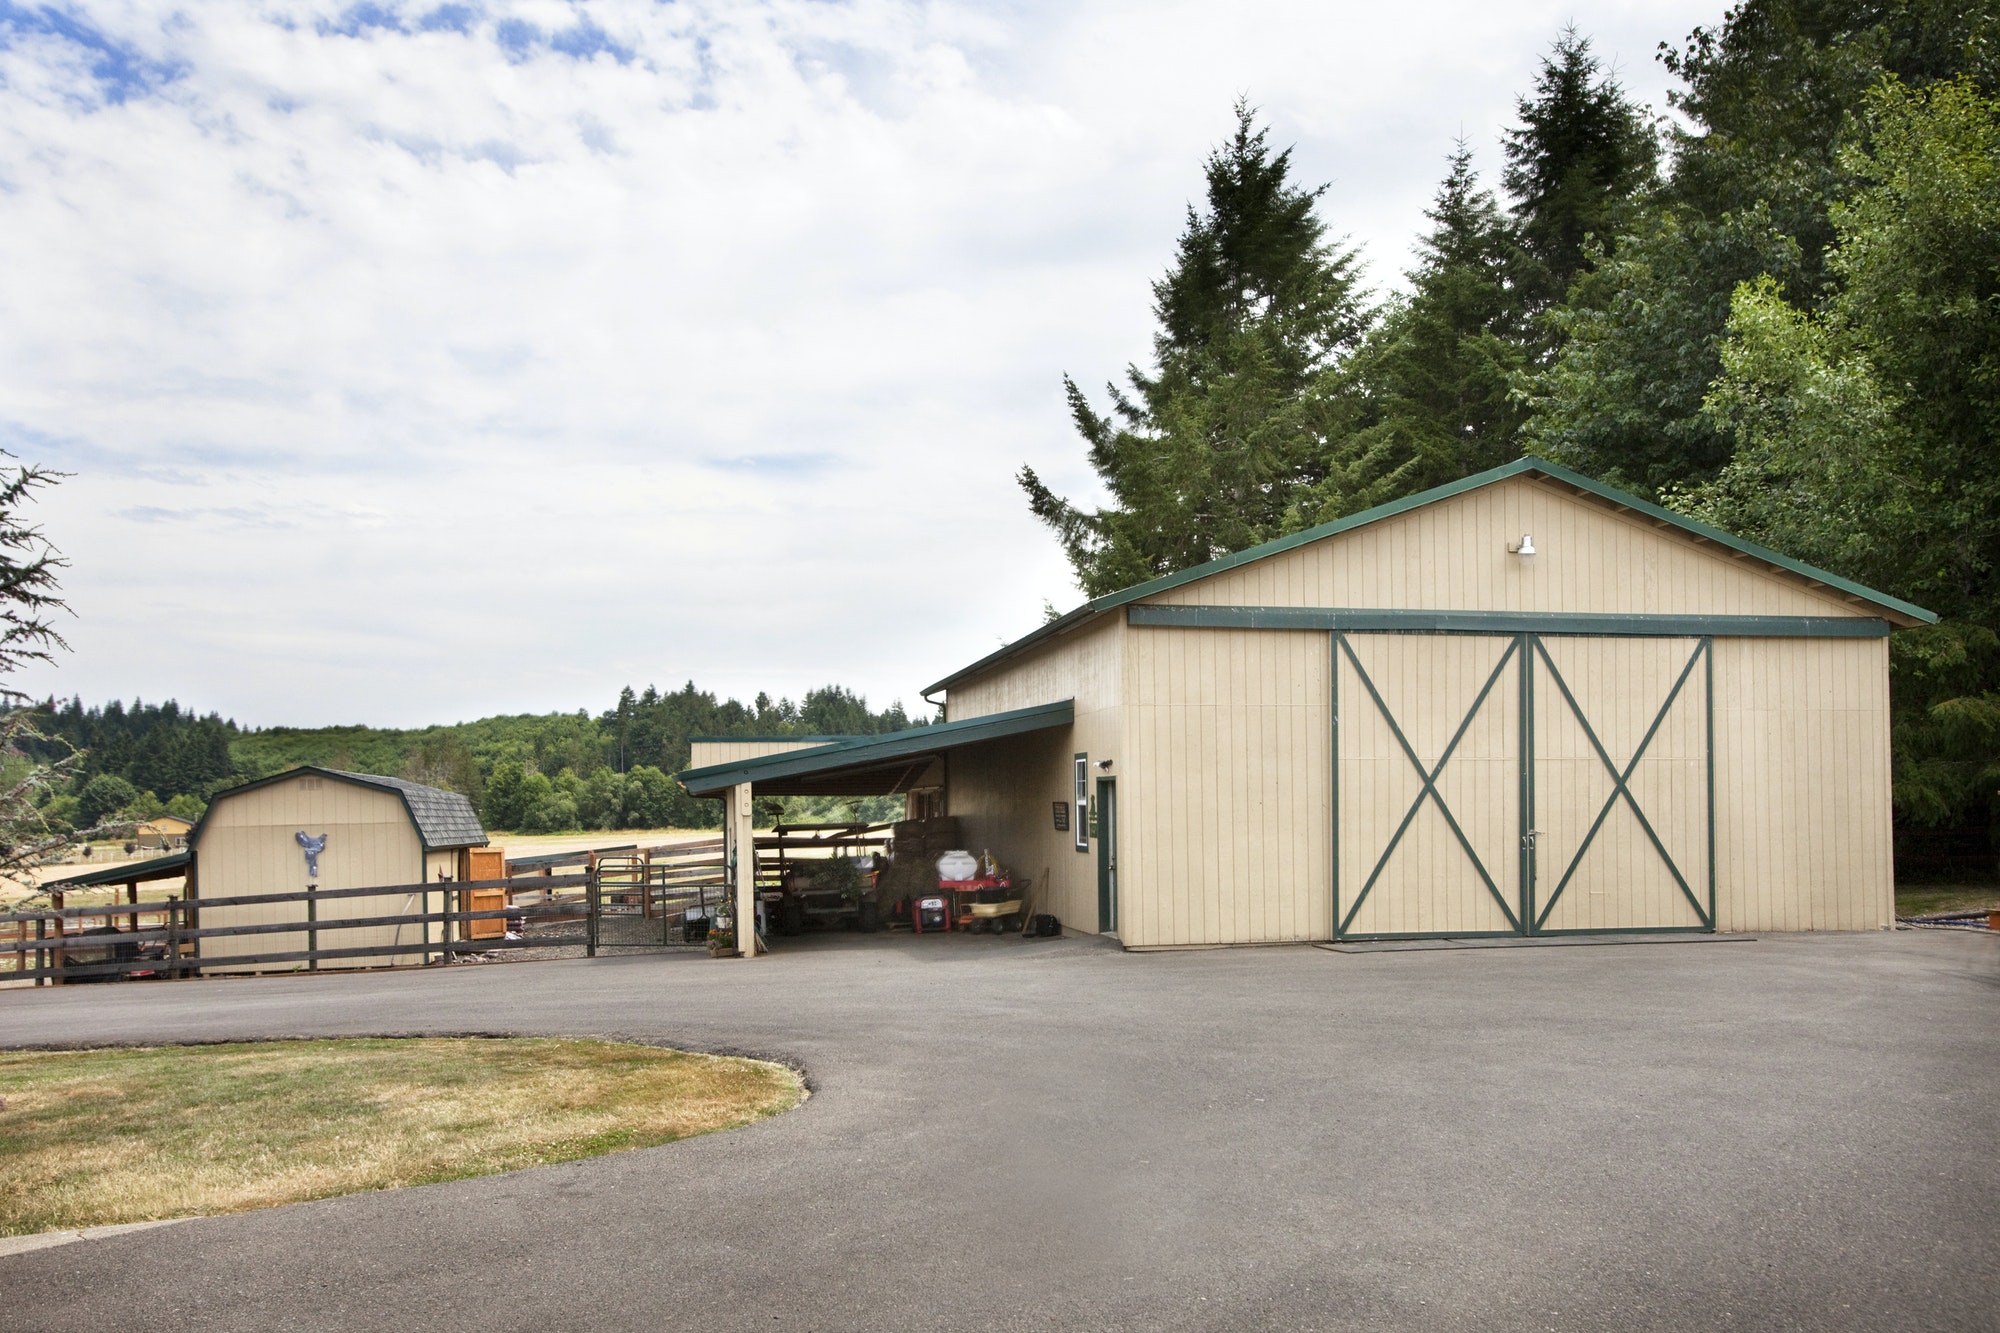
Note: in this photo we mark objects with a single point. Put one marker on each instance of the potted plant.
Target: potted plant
(722, 939)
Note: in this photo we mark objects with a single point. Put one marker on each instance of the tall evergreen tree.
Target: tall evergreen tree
(1582, 151)
(1206, 454)
(1753, 177)
(1868, 430)
(1436, 370)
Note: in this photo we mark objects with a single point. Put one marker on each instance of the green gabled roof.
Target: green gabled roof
(1519, 467)
(160, 867)
(877, 749)
(753, 740)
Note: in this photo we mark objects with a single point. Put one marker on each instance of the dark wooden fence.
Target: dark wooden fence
(168, 938)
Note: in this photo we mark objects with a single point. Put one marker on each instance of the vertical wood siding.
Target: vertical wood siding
(1802, 784)
(249, 846)
(702, 754)
(1221, 741)
(1226, 800)
(1004, 791)
(1453, 555)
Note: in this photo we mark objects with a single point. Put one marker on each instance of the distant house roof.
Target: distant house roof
(445, 819)
(171, 825)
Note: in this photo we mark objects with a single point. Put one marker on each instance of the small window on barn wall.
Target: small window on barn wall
(1082, 802)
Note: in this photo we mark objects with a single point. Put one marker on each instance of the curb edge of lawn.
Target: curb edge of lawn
(43, 1240)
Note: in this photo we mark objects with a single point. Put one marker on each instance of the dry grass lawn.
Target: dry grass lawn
(89, 1138)
(1924, 899)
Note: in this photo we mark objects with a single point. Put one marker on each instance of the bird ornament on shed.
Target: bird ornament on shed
(314, 846)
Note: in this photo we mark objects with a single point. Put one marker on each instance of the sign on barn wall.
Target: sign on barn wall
(1062, 816)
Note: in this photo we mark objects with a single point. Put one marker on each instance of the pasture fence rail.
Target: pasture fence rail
(167, 937)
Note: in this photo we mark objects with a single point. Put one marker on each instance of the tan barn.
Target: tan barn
(164, 832)
(1525, 703)
(377, 830)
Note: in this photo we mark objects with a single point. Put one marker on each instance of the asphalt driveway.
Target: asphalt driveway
(1792, 1133)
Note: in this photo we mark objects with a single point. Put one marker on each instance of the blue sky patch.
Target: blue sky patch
(585, 40)
(517, 37)
(449, 18)
(121, 70)
(362, 18)
(796, 464)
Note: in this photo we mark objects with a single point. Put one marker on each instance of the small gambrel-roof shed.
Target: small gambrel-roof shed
(376, 830)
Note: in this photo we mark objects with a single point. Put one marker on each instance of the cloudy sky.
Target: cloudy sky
(417, 362)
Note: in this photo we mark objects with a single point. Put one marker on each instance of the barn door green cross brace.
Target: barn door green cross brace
(1429, 777)
(1620, 787)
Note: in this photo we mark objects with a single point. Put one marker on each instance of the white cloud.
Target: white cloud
(417, 362)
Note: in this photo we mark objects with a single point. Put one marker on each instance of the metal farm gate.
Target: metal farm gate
(1522, 784)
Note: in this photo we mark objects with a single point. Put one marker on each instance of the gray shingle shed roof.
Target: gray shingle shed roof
(445, 820)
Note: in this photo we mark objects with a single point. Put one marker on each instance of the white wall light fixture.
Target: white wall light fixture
(1526, 546)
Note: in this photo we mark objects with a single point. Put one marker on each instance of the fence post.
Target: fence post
(593, 907)
(174, 972)
(61, 956)
(312, 932)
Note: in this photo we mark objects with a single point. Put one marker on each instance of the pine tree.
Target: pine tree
(1206, 454)
(1580, 154)
(1436, 370)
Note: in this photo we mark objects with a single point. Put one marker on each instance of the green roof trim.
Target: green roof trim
(160, 867)
(1528, 466)
(878, 749)
(753, 740)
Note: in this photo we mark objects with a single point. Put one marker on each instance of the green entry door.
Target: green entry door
(1107, 854)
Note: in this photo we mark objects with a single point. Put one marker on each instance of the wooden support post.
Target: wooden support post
(61, 957)
(312, 922)
(173, 938)
(742, 821)
(132, 897)
(593, 900)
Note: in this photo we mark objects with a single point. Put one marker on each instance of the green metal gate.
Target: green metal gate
(1522, 784)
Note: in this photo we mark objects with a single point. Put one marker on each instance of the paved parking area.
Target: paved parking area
(1795, 1133)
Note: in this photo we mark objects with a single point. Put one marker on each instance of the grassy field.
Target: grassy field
(90, 1138)
(1924, 899)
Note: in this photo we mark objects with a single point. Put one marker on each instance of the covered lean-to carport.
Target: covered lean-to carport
(1522, 704)
(915, 764)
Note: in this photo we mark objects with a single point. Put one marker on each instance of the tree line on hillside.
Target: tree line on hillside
(547, 773)
(1778, 313)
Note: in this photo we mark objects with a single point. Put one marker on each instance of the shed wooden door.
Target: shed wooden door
(1521, 784)
(1621, 785)
(1427, 784)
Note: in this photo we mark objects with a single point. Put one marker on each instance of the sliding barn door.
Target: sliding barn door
(1521, 784)
(1428, 784)
(1621, 795)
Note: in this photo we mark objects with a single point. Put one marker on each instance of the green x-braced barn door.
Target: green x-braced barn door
(1427, 784)
(1621, 790)
(1520, 784)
